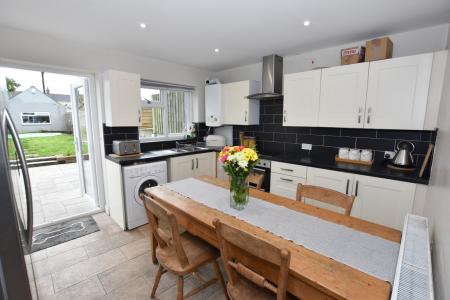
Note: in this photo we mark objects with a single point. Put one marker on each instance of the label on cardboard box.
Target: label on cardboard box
(350, 51)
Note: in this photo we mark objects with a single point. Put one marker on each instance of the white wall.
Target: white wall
(46, 50)
(405, 43)
(437, 205)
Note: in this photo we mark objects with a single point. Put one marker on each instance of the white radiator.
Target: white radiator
(413, 277)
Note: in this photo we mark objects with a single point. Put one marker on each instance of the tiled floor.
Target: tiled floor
(57, 193)
(108, 264)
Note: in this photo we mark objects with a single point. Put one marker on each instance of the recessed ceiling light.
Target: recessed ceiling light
(143, 25)
(306, 23)
(216, 50)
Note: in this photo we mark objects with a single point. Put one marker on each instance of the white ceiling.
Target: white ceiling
(187, 31)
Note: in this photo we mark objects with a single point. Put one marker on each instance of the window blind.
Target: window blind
(165, 85)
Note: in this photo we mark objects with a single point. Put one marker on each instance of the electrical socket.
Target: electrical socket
(389, 154)
(306, 146)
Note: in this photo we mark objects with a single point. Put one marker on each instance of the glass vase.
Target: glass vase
(238, 192)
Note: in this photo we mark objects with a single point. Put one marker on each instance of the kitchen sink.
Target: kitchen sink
(164, 152)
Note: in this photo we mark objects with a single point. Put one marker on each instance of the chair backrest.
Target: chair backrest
(166, 237)
(232, 240)
(326, 195)
(255, 180)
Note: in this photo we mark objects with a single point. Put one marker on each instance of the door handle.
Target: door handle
(192, 165)
(197, 163)
(356, 189)
(7, 123)
(245, 116)
(346, 189)
(359, 114)
(289, 170)
(285, 179)
(369, 111)
(284, 117)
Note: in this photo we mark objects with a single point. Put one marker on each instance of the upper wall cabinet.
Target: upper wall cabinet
(343, 96)
(301, 98)
(397, 92)
(122, 98)
(236, 109)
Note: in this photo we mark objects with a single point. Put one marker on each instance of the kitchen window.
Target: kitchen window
(35, 118)
(165, 112)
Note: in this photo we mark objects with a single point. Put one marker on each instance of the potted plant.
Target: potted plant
(238, 162)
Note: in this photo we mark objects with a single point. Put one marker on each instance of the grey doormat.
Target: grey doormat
(63, 232)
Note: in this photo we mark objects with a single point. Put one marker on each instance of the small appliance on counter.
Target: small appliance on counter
(403, 159)
(214, 140)
(126, 147)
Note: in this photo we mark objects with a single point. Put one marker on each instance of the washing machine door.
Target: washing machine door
(146, 182)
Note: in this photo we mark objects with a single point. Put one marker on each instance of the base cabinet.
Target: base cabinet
(186, 166)
(378, 200)
(382, 201)
(338, 181)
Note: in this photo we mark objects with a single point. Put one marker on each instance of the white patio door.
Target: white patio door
(83, 137)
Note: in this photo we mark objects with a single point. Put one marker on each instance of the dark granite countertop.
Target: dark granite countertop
(378, 169)
(156, 155)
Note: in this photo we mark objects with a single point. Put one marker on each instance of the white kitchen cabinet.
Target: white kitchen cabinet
(397, 92)
(236, 109)
(284, 179)
(205, 164)
(301, 98)
(186, 166)
(343, 96)
(115, 204)
(285, 185)
(382, 201)
(338, 181)
(122, 95)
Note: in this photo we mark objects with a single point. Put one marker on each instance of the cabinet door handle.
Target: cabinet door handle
(346, 189)
(284, 117)
(245, 116)
(369, 111)
(356, 189)
(197, 163)
(192, 165)
(359, 114)
(289, 170)
(285, 179)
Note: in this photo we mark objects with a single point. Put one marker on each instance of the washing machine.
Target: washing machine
(136, 179)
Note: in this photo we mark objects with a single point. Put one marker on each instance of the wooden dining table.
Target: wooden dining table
(311, 275)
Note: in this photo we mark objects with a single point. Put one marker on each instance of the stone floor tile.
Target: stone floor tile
(58, 262)
(88, 289)
(125, 272)
(86, 269)
(112, 242)
(136, 248)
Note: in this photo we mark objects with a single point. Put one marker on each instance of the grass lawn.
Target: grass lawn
(62, 144)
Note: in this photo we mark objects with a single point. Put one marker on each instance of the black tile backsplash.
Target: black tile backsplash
(132, 133)
(272, 138)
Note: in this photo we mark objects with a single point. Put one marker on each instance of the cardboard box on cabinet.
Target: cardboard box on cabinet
(352, 55)
(377, 49)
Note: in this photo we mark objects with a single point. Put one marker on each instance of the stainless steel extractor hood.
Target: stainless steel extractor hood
(272, 78)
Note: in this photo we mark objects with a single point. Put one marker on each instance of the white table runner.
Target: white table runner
(367, 253)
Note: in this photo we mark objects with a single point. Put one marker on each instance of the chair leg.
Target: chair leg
(157, 279)
(180, 284)
(220, 277)
(154, 245)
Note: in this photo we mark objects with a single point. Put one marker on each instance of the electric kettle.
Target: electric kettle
(403, 157)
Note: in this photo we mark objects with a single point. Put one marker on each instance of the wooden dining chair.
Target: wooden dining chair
(324, 195)
(255, 180)
(180, 254)
(244, 283)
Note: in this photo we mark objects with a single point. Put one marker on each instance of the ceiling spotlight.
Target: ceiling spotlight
(143, 25)
(306, 23)
(216, 50)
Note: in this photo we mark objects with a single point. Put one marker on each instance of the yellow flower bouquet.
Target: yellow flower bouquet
(238, 161)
